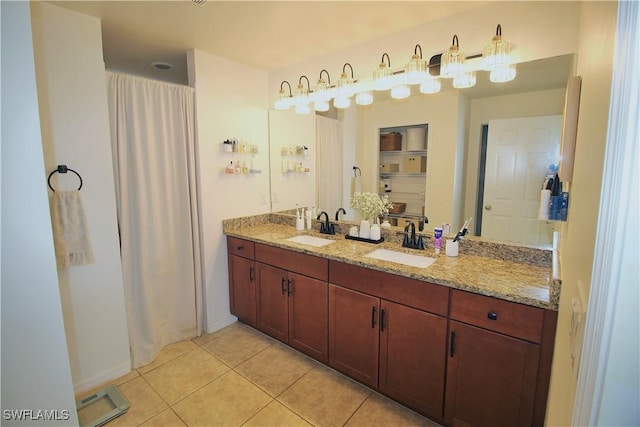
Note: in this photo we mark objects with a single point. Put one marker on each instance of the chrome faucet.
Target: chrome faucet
(338, 213)
(326, 227)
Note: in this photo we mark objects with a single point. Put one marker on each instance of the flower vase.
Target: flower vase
(365, 229)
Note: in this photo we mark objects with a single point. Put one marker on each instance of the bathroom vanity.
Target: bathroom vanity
(465, 341)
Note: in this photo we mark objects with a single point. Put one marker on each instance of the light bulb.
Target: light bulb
(400, 92)
(364, 98)
(342, 102)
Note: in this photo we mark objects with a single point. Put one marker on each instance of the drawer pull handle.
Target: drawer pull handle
(289, 283)
(239, 248)
(282, 285)
(492, 316)
(251, 275)
(373, 317)
(382, 320)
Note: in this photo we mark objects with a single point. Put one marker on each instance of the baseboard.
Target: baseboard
(102, 378)
(216, 326)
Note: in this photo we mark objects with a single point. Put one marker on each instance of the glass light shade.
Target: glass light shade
(342, 102)
(300, 95)
(415, 70)
(321, 91)
(464, 80)
(452, 63)
(364, 98)
(400, 92)
(496, 54)
(382, 77)
(344, 86)
(283, 101)
(303, 109)
(321, 105)
(430, 86)
(503, 74)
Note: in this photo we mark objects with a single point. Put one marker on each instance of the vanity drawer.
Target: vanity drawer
(516, 320)
(240, 247)
(307, 265)
(403, 290)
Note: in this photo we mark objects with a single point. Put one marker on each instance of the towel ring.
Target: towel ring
(63, 169)
(356, 171)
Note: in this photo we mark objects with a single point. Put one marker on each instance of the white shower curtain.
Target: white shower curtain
(329, 180)
(154, 161)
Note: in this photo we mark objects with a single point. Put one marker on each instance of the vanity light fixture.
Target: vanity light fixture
(344, 88)
(322, 93)
(451, 64)
(364, 98)
(416, 69)
(464, 80)
(400, 91)
(301, 97)
(496, 58)
(452, 61)
(321, 90)
(430, 85)
(382, 76)
(283, 101)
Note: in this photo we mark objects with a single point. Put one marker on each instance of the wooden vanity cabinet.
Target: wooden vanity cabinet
(498, 362)
(292, 299)
(242, 283)
(381, 335)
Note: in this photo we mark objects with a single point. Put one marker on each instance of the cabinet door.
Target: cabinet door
(413, 347)
(273, 318)
(491, 378)
(353, 334)
(309, 316)
(242, 289)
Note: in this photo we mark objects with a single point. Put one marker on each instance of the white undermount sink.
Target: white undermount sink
(401, 258)
(310, 240)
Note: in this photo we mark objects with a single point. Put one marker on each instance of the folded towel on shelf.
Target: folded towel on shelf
(71, 237)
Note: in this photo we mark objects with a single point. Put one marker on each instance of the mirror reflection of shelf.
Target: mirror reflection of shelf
(402, 169)
(294, 150)
(289, 166)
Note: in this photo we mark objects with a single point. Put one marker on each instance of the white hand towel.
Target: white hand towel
(70, 231)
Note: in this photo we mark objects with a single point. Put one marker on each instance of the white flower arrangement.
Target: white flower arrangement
(370, 205)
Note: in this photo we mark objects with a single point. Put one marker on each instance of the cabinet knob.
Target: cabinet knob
(492, 316)
(487, 207)
(239, 248)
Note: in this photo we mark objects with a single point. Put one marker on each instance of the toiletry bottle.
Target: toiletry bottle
(437, 239)
(374, 231)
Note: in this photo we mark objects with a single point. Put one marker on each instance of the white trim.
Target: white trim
(216, 326)
(614, 214)
(103, 377)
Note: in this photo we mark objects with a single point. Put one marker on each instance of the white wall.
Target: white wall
(75, 131)
(35, 365)
(530, 104)
(231, 101)
(577, 235)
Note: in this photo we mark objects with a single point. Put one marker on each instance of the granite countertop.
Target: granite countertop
(513, 281)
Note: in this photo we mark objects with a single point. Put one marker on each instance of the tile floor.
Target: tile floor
(240, 377)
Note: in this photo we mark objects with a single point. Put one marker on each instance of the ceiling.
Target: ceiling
(262, 34)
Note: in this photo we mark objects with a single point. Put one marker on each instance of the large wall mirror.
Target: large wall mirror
(538, 90)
